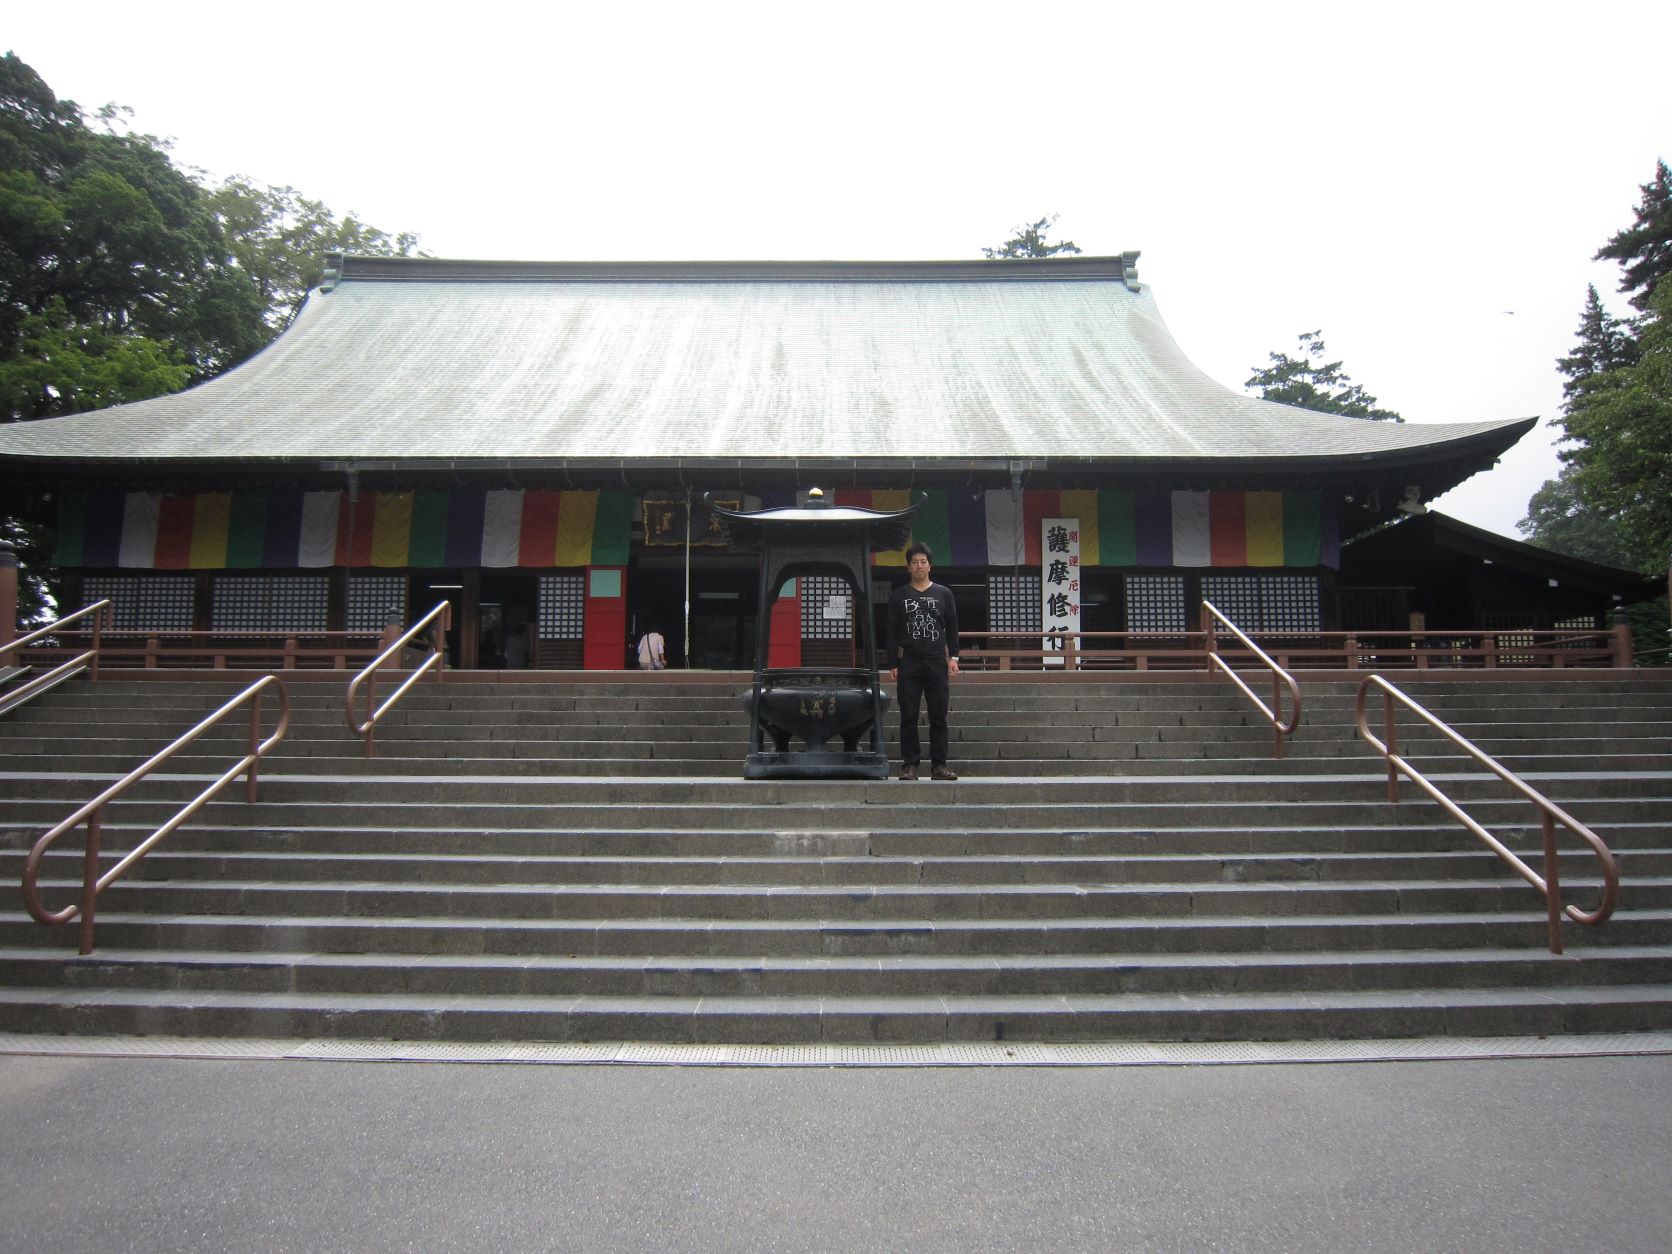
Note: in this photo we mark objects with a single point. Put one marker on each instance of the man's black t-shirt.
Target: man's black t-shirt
(923, 624)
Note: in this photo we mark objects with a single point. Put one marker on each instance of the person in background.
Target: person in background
(922, 656)
(653, 655)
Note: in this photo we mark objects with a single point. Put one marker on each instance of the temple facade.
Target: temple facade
(532, 441)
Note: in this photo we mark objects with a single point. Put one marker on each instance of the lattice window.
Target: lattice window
(826, 608)
(1013, 603)
(371, 597)
(1237, 598)
(1155, 603)
(1265, 602)
(1373, 609)
(147, 602)
(269, 603)
(562, 607)
(1511, 631)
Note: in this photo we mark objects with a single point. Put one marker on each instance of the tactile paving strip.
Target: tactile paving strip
(946, 1054)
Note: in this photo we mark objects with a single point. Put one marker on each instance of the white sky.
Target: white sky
(1401, 177)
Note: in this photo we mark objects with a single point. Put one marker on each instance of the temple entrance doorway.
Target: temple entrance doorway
(720, 631)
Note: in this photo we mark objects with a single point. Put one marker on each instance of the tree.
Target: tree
(1029, 241)
(1619, 428)
(113, 275)
(123, 277)
(1617, 408)
(1560, 518)
(1644, 249)
(118, 270)
(1605, 343)
(279, 238)
(1313, 383)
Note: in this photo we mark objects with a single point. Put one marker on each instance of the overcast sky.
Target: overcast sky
(1425, 183)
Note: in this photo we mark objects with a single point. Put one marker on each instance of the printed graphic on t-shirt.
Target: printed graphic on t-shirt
(923, 618)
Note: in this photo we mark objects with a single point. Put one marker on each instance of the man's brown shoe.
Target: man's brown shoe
(941, 772)
(908, 772)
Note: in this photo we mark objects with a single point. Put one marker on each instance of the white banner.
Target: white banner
(1059, 582)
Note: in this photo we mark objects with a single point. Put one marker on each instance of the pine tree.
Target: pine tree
(1644, 249)
(1605, 343)
(1029, 241)
(1310, 382)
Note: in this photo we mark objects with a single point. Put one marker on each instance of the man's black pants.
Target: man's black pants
(920, 678)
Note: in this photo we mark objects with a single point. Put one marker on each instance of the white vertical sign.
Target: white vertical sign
(1059, 582)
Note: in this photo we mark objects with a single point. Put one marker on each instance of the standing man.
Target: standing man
(922, 655)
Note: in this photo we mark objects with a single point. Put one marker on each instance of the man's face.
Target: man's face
(918, 567)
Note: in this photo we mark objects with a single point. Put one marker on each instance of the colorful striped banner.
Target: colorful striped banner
(1122, 528)
(545, 529)
(287, 530)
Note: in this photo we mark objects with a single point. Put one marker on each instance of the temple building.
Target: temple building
(533, 441)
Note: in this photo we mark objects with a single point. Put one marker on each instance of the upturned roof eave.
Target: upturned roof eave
(1451, 455)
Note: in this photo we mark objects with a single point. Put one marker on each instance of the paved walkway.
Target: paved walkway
(186, 1155)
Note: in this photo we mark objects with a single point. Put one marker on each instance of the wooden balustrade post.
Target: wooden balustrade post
(1620, 639)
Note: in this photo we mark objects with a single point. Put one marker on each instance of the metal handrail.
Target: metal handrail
(86, 660)
(1549, 884)
(368, 676)
(93, 812)
(1279, 678)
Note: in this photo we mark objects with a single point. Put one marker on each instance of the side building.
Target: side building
(533, 440)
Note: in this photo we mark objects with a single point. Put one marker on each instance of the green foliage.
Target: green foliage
(123, 278)
(279, 239)
(1613, 495)
(108, 250)
(65, 367)
(1605, 343)
(1619, 432)
(33, 542)
(1644, 249)
(1311, 382)
(1560, 518)
(105, 248)
(1029, 241)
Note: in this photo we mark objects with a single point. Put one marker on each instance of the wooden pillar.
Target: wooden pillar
(1620, 638)
(8, 592)
(604, 619)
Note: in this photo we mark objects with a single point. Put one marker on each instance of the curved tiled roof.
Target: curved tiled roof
(422, 361)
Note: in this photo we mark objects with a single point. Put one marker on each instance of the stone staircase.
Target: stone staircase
(573, 859)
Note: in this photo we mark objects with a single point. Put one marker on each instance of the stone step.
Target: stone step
(620, 867)
(908, 975)
(417, 937)
(1076, 1017)
(879, 902)
(1438, 835)
(655, 761)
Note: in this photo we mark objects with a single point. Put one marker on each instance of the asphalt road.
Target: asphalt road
(153, 1154)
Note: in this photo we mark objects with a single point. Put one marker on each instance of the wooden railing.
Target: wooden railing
(1548, 884)
(1296, 650)
(153, 649)
(1280, 678)
(436, 639)
(71, 664)
(92, 883)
